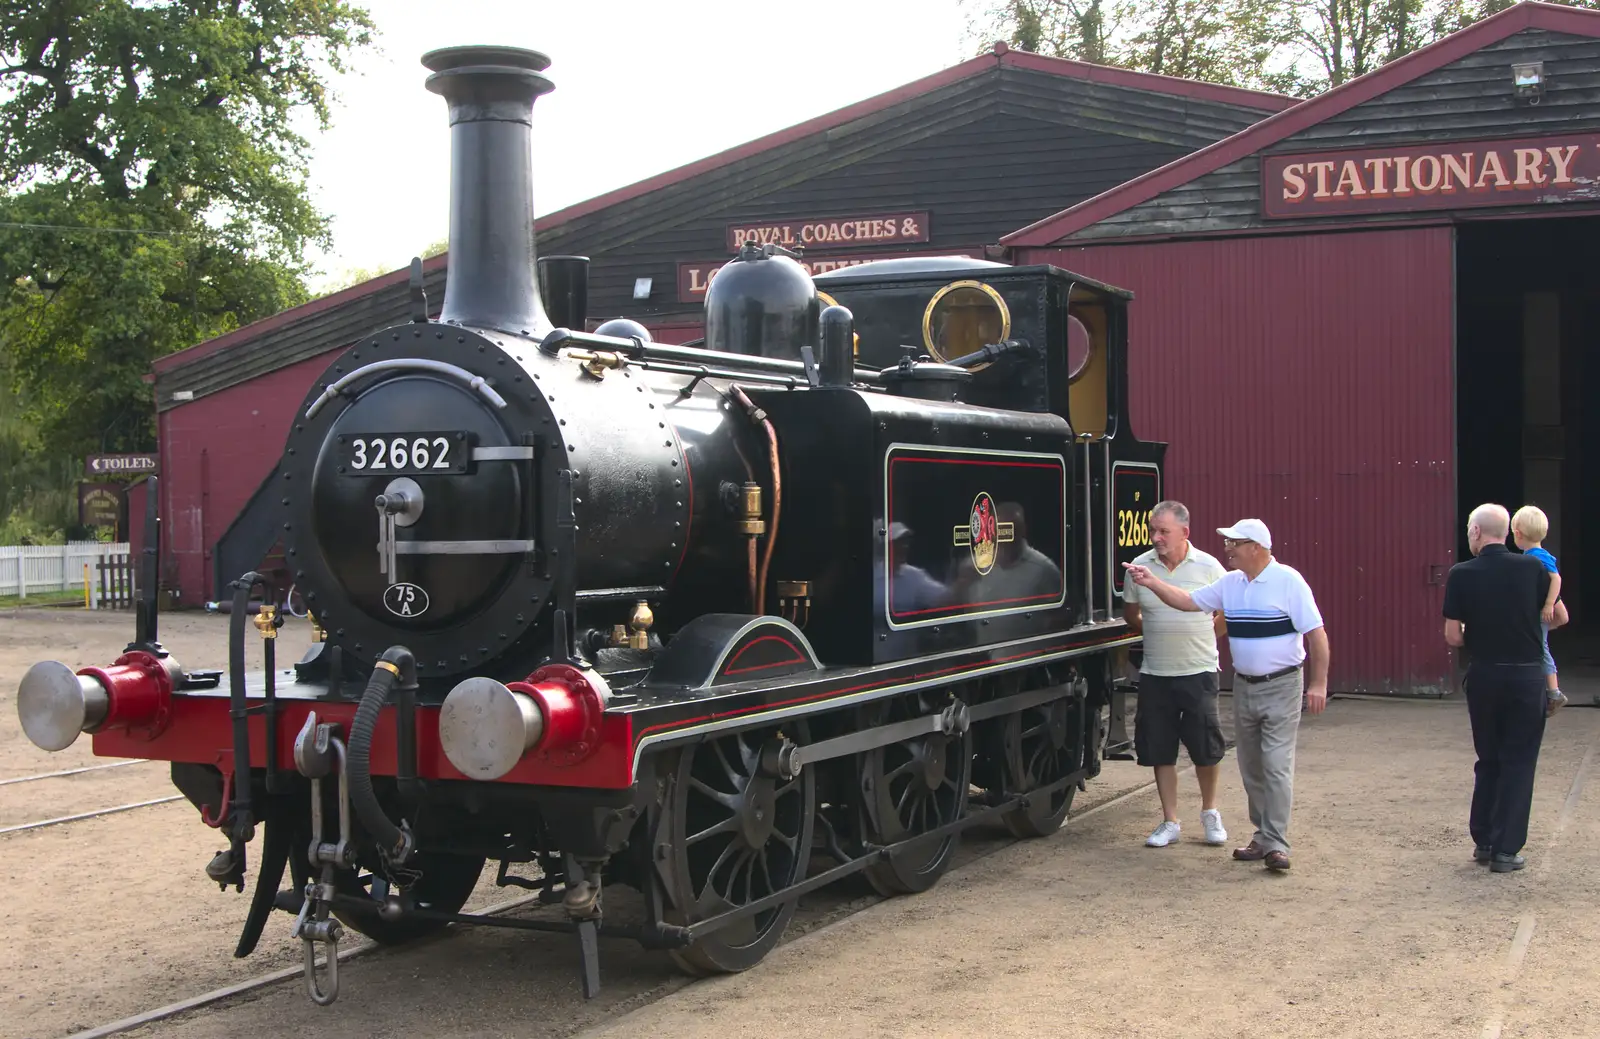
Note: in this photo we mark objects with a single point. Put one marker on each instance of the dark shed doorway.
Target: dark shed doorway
(1527, 318)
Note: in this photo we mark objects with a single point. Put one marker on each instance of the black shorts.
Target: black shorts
(1174, 707)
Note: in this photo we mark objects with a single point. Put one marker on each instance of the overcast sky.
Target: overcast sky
(641, 87)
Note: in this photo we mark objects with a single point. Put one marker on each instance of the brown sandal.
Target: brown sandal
(1277, 860)
(1251, 852)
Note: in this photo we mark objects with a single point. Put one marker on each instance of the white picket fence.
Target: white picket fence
(31, 569)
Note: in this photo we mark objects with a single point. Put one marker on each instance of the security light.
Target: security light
(1528, 81)
(641, 287)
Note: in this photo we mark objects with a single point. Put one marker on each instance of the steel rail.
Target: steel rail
(139, 1020)
(73, 771)
(88, 815)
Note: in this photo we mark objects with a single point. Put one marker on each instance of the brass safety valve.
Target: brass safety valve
(752, 524)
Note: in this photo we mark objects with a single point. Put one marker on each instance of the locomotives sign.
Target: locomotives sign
(694, 277)
(834, 231)
(1462, 175)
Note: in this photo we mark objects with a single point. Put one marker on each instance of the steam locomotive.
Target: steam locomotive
(724, 622)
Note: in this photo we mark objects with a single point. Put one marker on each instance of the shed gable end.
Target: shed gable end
(1445, 104)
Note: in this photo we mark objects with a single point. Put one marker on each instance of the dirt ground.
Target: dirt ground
(1384, 925)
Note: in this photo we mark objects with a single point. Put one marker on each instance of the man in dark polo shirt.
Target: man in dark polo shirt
(1491, 607)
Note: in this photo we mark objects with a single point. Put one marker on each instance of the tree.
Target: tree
(1298, 47)
(154, 190)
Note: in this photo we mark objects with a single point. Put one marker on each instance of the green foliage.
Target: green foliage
(152, 195)
(1296, 47)
(352, 276)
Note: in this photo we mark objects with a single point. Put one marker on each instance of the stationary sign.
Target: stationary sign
(833, 231)
(1458, 175)
(693, 278)
(99, 504)
(130, 464)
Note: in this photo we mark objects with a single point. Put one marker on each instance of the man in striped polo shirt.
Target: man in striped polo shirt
(1178, 676)
(1272, 617)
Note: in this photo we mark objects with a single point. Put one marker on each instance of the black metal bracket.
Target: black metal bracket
(808, 358)
(419, 298)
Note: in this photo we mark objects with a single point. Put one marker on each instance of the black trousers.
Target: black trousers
(1506, 705)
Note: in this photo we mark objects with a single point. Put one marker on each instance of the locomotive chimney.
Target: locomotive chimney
(492, 280)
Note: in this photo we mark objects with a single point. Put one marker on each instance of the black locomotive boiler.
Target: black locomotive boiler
(721, 622)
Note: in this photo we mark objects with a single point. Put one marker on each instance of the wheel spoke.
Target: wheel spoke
(723, 798)
(766, 873)
(910, 764)
(734, 778)
(728, 825)
(900, 802)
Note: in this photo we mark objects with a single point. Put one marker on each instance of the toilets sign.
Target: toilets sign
(120, 465)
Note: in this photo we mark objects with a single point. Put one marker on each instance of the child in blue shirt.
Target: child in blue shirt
(1529, 528)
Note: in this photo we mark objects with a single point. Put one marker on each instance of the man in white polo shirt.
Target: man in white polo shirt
(1272, 617)
(1178, 676)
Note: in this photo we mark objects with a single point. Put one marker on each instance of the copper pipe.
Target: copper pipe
(777, 495)
(752, 543)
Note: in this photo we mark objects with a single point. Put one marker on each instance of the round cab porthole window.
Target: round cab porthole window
(1079, 348)
(962, 317)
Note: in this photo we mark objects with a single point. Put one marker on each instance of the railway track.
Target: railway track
(74, 771)
(42, 823)
(69, 817)
(975, 849)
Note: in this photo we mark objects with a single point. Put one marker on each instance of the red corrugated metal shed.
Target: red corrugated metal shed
(213, 454)
(1307, 380)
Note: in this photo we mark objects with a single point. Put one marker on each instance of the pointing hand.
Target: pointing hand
(1140, 575)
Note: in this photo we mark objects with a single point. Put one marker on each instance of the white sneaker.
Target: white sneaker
(1164, 835)
(1212, 819)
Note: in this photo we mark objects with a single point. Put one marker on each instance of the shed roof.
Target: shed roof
(1288, 122)
(383, 299)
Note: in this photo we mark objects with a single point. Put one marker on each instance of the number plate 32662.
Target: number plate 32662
(395, 454)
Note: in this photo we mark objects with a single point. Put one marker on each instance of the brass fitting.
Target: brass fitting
(318, 633)
(752, 524)
(264, 621)
(595, 363)
(619, 636)
(640, 623)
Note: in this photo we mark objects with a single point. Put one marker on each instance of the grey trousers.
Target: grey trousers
(1266, 719)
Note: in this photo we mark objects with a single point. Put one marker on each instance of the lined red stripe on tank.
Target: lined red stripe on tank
(798, 658)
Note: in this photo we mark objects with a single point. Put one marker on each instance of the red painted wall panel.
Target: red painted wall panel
(1308, 380)
(214, 454)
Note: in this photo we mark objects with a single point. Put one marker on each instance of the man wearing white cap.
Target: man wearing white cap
(1272, 617)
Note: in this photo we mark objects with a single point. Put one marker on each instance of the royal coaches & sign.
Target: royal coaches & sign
(834, 231)
(1460, 175)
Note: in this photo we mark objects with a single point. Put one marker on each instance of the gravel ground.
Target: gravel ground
(1383, 925)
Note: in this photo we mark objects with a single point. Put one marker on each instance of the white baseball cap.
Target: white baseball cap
(1248, 530)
